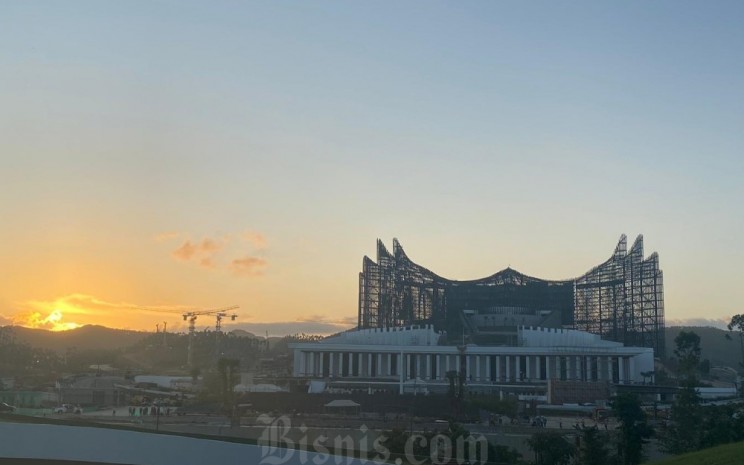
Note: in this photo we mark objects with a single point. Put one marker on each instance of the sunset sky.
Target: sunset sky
(167, 156)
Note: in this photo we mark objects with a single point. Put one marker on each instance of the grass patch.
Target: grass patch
(727, 454)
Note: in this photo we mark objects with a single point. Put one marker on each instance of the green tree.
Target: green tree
(503, 455)
(737, 325)
(634, 430)
(551, 448)
(593, 447)
(721, 424)
(687, 352)
(683, 432)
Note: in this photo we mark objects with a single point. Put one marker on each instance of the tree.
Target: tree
(704, 367)
(592, 449)
(195, 373)
(687, 352)
(503, 455)
(551, 448)
(683, 432)
(737, 324)
(229, 376)
(634, 430)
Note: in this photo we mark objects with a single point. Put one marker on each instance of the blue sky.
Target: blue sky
(481, 134)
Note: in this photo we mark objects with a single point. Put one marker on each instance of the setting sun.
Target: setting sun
(53, 321)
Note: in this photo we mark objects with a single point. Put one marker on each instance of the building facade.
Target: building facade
(412, 360)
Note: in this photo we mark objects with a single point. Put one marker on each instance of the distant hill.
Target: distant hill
(713, 344)
(86, 337)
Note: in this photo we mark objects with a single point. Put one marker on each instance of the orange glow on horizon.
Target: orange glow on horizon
(53, 321)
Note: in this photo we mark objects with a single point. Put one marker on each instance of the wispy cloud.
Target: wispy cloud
(256, 239)
(240, 254)
(200, 252)
(284, 328)
(248, 266)
(74, 310)
(318, 318)
(166, 236)
(5, 321)
(720, 323)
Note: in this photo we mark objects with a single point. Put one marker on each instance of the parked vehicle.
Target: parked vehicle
(68, 408)
(5, 408)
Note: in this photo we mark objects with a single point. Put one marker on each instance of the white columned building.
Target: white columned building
(407, 359)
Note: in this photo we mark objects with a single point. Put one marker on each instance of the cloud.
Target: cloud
(201, 252)
(248, 266)
(166, 236)
(720, 323)
(214, 253)
(346, 321)
(75, 310)
(257, 240)
(285, 328)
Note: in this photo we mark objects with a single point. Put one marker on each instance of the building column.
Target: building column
(468, 375)
(378, 370)
(547, 367)
(446, 362)
(438, 364)
(369, 365)
(351, 365)
(578, 368)
(508, 368)
(300, 356)
(321, 356)
(457, 363)
(527, 375)
(428, 366)
(477, 367)
(330, 364)
(390, 364)
(518, 368)
(621, 370)
(609, 369)
(400, 372)
(631, 369)
(488, 368)
(498, 368)
(538, 367)
(588, 367)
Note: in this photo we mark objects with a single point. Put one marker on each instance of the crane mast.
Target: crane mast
(219, 314)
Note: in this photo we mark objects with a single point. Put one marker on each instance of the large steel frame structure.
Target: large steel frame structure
(621, 300)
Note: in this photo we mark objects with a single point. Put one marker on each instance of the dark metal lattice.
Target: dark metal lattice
(621, 300)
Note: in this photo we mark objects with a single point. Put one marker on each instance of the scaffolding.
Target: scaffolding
(622, 299)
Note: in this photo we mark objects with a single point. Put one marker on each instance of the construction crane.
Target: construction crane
(219, 314)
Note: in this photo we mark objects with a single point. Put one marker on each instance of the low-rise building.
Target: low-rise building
(412, 360)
